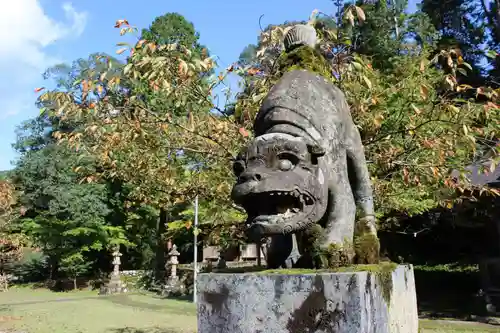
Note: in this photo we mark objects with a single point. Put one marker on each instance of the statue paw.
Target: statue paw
(334, 255)
(367, 225)
(367, 248)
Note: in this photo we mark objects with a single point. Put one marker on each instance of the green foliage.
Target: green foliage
(63, 215)
(173, 28)
(33, 266)
(74, 265)
(367, 249)
(216, 226)
(387, 29)
(304, 57)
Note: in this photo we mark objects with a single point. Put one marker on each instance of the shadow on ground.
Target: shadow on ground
(443, 294)
(180, 308)
(147, 330)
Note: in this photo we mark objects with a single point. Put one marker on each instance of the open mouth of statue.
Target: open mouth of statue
(277, 207)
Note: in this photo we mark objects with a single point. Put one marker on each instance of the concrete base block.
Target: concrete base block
(375, 300)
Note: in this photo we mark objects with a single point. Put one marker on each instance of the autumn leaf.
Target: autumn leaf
(360, 13)
(140, 43)
(466, 129)
(416, 109)
(183, 67)
(368, 82)
(349, 16)
(424, 92)
(378, 120)
(435, 171)
(493, 166)
(451, 81)
(422, 65)
(406, 174)
(490, 105)
(120, 51)
(119, 23)
(427, 143)
(453, 108)
(243, 131)
(85, 86)
(253, 71)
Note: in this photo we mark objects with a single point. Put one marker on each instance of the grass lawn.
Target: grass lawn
(42, 311)
(115, 314)
(436, 326)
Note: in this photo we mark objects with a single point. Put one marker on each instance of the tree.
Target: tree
(414, 123)
(10, 243)
(61, 215)
(173, 28)
(465, 26)
(149, 150)
(386, 29)
(75, 265)
(147, 116)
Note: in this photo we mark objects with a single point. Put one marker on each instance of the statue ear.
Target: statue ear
(316, 152)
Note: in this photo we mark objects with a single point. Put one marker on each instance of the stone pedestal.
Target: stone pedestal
(115, 285)
(378, 300)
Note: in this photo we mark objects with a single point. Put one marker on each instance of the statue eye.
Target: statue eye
(287, 161)
(238, 168)
(285, 165)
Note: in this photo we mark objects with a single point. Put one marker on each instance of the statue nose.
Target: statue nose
(249, 176)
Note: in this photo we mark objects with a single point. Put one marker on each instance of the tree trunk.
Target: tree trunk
(4, 284)
(160, 247)
(493, 17)
(75, 286)
(53, 267)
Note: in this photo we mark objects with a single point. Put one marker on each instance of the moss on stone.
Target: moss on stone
(367, 249)
(382, 272)
(326, 257)
(380, 268)
(336, 255)
(305, 58)
(384, 277)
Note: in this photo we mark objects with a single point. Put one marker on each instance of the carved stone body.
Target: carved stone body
(305, 166)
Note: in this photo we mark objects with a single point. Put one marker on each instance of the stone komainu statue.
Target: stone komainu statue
(306, 166)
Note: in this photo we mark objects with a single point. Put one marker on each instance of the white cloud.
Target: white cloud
(26, 31)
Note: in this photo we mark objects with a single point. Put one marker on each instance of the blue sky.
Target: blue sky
(35, 34)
